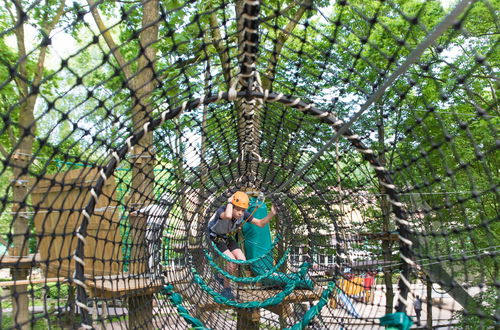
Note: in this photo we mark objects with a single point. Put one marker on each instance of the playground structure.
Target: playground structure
(371, 127)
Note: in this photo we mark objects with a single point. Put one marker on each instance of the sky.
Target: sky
(65, 45)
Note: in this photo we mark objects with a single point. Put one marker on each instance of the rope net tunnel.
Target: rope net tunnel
(371, 126)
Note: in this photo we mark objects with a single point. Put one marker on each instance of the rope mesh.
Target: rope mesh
(371, 126)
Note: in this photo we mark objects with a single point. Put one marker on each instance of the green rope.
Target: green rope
(251, 304)
(176, 300)
(247, 280)
(245, 262)
(316, 309)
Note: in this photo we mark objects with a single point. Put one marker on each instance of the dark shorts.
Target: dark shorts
(224, 244)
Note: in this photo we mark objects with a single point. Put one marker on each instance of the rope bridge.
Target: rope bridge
(369, 125)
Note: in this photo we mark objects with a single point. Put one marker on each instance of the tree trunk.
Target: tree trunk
(179, 173)
(203, 155)
(143, 155)
(143, 84)
(20, 301)
(385, 208)
(20, 160)
(21, 157)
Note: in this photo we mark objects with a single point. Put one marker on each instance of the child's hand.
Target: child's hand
(273, 210)
(230, 199)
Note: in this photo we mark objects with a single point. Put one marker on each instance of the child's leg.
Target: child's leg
(238, 254)
(230, 267)
(221, 245)
(234, 252)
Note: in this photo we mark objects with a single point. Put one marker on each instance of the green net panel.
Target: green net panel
(371, 126)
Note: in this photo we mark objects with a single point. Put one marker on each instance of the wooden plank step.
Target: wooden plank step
(297, 296)
(37, 281)
(123, 287)
(7, 261)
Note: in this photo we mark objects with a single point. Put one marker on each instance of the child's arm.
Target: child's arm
(228, 213)
(264, 221)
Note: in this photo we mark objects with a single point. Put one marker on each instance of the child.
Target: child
(223, 226)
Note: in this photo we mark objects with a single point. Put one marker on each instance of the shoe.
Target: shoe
(227, 293)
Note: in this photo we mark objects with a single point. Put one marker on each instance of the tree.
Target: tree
(26, 73)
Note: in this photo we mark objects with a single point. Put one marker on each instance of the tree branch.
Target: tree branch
(3, 151)
(179, 65)
(12, 137)
(276, 14)
(421, 75)
(12, 17)
(487, 34)
(223, 52)
(46, 30)
(109, 40)
(280, 42)
(16, 79)
(4, 241)
(493, 95)
(21, 50)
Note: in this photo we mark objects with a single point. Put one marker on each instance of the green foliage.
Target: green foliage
(58, 291)
(488, 299)
(7, 323)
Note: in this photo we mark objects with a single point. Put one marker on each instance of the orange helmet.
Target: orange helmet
(240, 199)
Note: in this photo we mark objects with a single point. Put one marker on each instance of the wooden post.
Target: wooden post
(20, 300)
(248, 319)
(429, 302)
(283, 311)
(282, 315)
(140, 307)
(140, 312)
(95, 313)
(138, 251)
(99, 321)
(71, 315)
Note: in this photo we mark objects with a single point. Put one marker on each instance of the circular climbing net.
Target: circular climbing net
(371, 126)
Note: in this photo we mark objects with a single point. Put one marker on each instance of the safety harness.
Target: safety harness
(234, 233)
